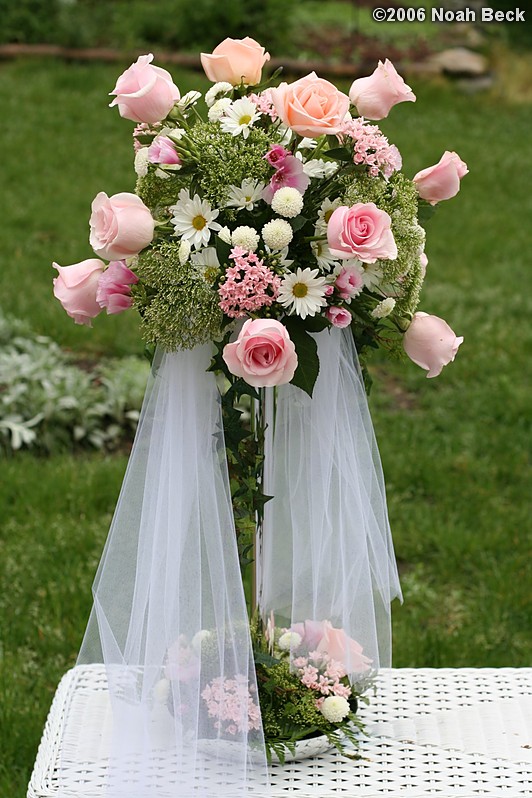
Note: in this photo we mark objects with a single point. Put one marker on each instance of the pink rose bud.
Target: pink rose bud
(339, 317)
(235, 61)
(363, 231)
(430, 343)
(162, 150)
(441, 181)
(311, 106)
(145, 93)
(120, 225)
(114, 287)
(375, 95)
(263, 354)
(349, 282)
(337, 644)
(76, 288)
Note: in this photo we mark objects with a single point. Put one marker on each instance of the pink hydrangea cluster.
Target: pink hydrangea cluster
(264, 104)
(249, 285)
(321, 673)
(371, 147)
(227, 701)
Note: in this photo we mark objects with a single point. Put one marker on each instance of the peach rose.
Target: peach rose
(263, 354)
(441, 181)
(76, 288)
(145, 93)
(430, 343)
(362, 231)
(375, 95)
(342, 648)
(120, 225)
(235, 61)
(310, 106)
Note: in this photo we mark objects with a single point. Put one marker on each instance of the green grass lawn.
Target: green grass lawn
(454, 449)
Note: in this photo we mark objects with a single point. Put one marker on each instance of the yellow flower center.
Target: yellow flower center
(248, 199)
(300, 290)
(198, 222)
(327, 215)
(244, 120)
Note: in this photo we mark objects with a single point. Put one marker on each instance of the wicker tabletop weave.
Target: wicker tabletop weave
(432, 732)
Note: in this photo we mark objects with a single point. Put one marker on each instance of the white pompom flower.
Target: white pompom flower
(245, 237)
(384, 308)
(277, 234)
(335, 708)
(289, 641)
(287, 201)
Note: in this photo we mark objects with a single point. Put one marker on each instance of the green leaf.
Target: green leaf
(339, 154)
(307, 354)
(425, 211)
(316, 323)
(298, 222)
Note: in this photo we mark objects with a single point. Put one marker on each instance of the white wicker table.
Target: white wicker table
(444, 732)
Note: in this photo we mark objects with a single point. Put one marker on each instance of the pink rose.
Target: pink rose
(363, 231)
(76, 288)
(235, 61)
(114, 287)
(310, 632)
(311, 106)
(162, 150)
(342, 648)
(145, 93)
(121, 225)
(430, 343)
(339, 317)
(263, 354)
(375, 95)
(441, 181)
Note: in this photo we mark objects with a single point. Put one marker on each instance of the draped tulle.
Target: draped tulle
(169, 618)
(327, 552)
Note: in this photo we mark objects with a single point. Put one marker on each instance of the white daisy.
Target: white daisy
(219, 108)
(384, 308)
(239, 117)
(307, 144)
(373, 275)
(217, 91)
(225, 234)
(303, 292)
(287, 201)
(277, 234)
(206, 264)
(324, 214)
(317, 167)
(188, 100)
(193, 219)
(246, 195)
(245, 237)
(322, 253)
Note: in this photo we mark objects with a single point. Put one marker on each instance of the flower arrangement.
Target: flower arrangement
(266, 213)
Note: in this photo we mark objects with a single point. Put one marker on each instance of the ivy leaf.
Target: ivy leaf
(307, 354)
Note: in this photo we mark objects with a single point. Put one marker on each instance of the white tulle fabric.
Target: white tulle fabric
(169, 614)
(327, 553)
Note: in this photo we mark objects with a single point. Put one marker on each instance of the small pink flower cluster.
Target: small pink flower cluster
(227, 700)
(371, 147)
(264, 104)
(321, 673)
(249, 285)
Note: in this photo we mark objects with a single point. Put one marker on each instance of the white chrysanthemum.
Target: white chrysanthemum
(384, 308)
(193, 219)
(188, 100)
(225, 234)
(335, 708)
(246, 195)
(307, 144)
(141, 162)
(217, 91)
(277, 234)
(320, 168)
(322, 253)
(287, 201)
(219, 108)
(324, 214)
(239, 117)
(199, 639)
(289, 640)
(303, 292)
(184, 250)
(245, 237)
(373, 275)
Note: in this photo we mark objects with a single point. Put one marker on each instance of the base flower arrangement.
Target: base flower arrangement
(266, 213)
